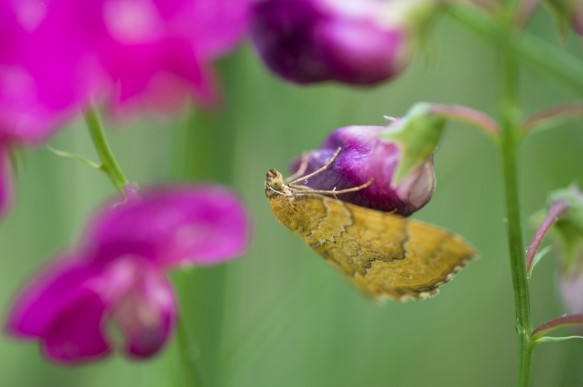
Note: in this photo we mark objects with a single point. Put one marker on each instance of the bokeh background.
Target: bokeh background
(281, 316)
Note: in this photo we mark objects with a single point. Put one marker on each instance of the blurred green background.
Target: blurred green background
(281, 316)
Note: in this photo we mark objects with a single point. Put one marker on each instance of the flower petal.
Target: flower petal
(365, 155)
(145, 313)
(173, 41)
(173, 226)
(46, 73)
(60, 307)
(77, 332)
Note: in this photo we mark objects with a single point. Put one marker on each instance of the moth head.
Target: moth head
(274, 183)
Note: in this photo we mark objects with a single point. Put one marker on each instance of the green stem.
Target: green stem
(509, 140)
(109, 164)
(548, 58)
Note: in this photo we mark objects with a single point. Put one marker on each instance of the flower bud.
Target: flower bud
(366, 155)
(359, 42)
(568, 231)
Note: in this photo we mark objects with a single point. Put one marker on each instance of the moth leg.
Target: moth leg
(333, 192)
(301, 170)
(319, 170)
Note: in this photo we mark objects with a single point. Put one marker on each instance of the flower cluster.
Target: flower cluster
(117, 273)
(58, 56)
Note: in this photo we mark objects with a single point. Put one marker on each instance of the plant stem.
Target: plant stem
(509, 140)
(547, 58)
(109, 164)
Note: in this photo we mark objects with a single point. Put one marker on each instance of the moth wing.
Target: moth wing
(386, 255)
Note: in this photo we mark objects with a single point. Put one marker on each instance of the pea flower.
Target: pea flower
(44, 75)
(57, 56)
(60, 54)
(359, 42)
(116, 276)
(397, 161)
(156, 52)
(364, 155)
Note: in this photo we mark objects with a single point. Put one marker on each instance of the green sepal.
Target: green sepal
(417, 135)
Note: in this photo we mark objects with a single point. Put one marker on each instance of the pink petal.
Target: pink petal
(5, 180)
(174, 226)
(61, 308)
(157, 51)
(77, 333)
(46, 71)
(145, 311)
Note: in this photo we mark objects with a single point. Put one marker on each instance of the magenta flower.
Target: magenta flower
(57, 56)
(366, 155)
(117, 275)
(357, 42)
(159, 51)
(45, 74)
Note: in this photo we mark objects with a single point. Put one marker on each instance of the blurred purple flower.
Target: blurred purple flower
(159, 51)
(118, 273)
(364, 155)
(356, 42)
(56, 56)
(45, 75)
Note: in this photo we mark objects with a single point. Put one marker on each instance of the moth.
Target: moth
(384, 255)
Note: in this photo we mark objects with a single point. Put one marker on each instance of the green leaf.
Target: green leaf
(74, 156)
(550, 339)
(539, 255)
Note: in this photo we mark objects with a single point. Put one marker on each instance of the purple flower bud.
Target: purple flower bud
(357, 42)
(366, 155)
(119, 274)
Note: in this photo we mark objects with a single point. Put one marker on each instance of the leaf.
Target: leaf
(74, 156)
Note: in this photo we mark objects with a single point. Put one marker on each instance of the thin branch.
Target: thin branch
(469, 116)
(552, 114)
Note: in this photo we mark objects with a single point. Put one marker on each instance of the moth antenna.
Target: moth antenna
(319, 170)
